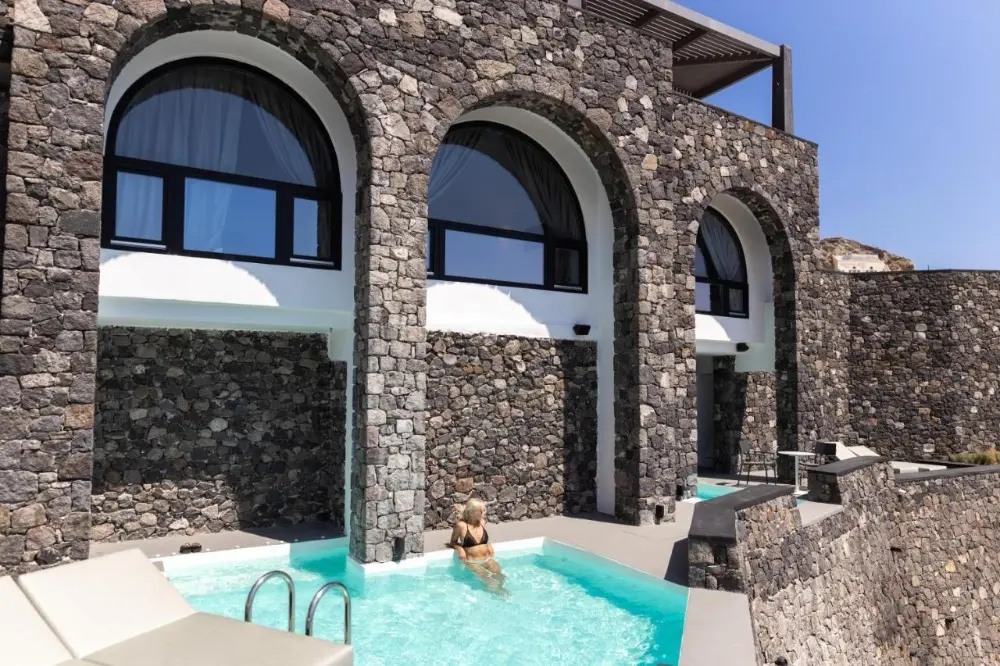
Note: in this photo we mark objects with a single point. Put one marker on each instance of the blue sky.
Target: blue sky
(903, 97)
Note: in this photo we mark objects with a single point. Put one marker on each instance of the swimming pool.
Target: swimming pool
(707, 491)
(565, 607)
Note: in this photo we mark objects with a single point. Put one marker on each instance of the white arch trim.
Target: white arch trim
(474, 308)
(718, 336)
(144, 289)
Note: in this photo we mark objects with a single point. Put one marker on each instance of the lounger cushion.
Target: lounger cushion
(96, 603)
(213, 640)
(25, 639)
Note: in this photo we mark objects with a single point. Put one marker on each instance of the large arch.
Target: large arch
(621, 488)
(270, 43)
(766, 382)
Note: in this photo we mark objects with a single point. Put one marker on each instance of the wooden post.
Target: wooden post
(782, 108)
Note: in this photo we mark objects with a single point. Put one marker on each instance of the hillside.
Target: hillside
(832, 247)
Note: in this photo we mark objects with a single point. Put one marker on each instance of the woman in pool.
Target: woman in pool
(472, 543)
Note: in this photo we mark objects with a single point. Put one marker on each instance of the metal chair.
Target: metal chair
(750, 460)
(825, 453)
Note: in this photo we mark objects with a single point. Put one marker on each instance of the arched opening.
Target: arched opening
(567, 212)
(502, 211)
(189, 282)
(211, 158)
(737, 352)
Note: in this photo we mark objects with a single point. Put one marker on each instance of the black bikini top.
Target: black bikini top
(469, 542)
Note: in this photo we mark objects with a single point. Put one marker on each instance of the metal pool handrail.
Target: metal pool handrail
(314, 604)
(248, 608)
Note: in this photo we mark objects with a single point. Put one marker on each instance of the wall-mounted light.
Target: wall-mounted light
(742, 347)
(581, 329)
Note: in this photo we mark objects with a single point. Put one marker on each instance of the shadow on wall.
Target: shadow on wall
(203, 431)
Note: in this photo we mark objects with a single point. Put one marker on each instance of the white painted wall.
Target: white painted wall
(145, 289)
(717, 336)
(473, 308)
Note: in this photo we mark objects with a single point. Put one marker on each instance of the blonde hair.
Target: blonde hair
(473, 507)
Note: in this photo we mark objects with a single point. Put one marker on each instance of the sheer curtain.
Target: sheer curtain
(300, 151)
(550, 192)
(450, 161)
(722, 248)
(193, 117)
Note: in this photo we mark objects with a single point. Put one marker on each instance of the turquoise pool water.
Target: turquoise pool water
(563, 608)
(707, 491)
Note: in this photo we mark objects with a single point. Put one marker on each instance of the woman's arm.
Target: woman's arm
(455, 542)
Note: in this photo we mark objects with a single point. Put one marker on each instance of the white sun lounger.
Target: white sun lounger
(25, 639)
(119, 610)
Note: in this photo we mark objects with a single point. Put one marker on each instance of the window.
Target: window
(720, 269)
(501, 211)
(211, 158)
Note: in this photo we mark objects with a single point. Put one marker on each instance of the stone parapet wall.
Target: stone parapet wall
(904, 574)
(946, 530)
(924, 369)
(512, 421)
(203, 431)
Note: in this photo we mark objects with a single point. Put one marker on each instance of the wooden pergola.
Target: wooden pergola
(708, 55)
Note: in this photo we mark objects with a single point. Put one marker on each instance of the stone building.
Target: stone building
(352, 261)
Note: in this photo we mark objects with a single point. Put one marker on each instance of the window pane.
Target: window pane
(139, 207)
(566, 266)
(702, 297)
(229, 219)
(312, 234)
(493, 258)
(736, 301)
(226, 119)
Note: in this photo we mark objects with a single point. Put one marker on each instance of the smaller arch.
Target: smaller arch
(210, 157)
(722, 286)
(502, 211)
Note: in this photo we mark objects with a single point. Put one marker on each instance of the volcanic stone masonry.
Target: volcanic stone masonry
(402, 72)
(201, 431)
(512, 421)
(744, 411)
(924, 362)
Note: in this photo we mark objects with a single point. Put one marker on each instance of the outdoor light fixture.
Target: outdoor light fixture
(581, 329)
(742, 346)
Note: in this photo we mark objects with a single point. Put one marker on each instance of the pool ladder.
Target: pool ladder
(313, 605)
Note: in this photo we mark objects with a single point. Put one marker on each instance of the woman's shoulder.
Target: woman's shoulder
(461, 523)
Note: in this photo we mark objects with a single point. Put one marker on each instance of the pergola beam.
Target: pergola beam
(646, 18)
(782, 108)
(688, 39)
(722, 60)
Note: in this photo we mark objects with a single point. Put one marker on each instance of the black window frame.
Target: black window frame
(173, 178)
(437, 232)
(719, 295)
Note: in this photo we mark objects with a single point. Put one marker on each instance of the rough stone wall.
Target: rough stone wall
(403, 71)
(745, 409)
(925, 375)
(48, 313)
(905, 574)
(512, 421)
(203, 431)
(946, 529)
(826, 593)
